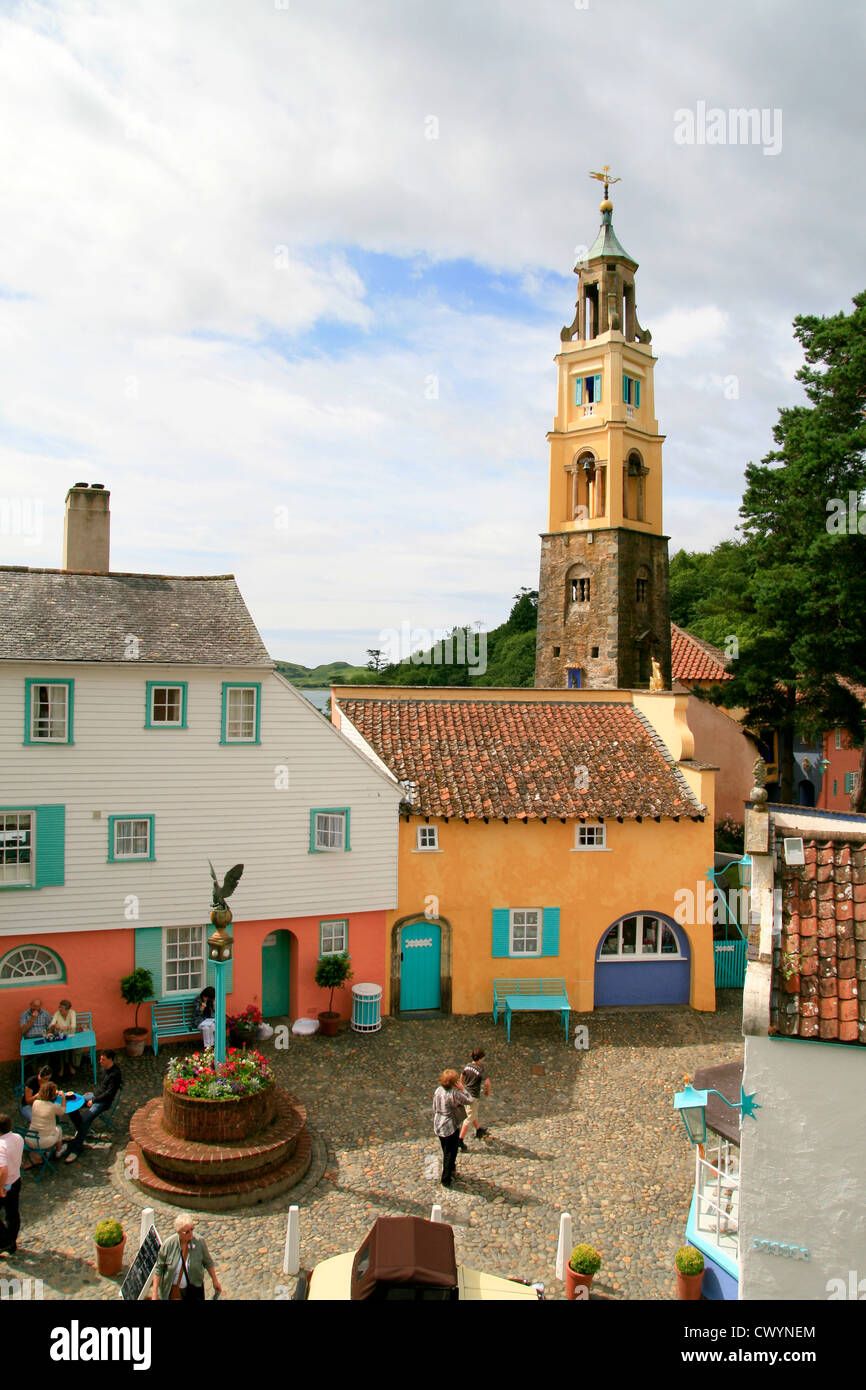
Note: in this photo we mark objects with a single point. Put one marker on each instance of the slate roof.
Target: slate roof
(823, 940)
(512, 758)
(692, 659)
(58, 615)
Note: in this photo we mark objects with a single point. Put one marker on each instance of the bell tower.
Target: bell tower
(603, 599)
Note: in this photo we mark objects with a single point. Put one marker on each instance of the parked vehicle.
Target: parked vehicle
(405, 1257)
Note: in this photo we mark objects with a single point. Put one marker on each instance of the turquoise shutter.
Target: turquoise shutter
(578, 390)
(637, 393)
(596, 393)
(550, 931)
(625, 389)
(501, 940)
(50, 846)
(148, 954)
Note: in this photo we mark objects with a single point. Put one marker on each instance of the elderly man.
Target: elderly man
(35, 1021)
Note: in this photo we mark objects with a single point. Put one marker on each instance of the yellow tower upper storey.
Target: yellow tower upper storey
(605, 448)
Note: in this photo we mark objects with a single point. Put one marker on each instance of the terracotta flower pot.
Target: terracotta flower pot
(574, 1281)
(109, 1258)
(689, 1286)
(244, 1037)
(328, 1024)
(134, 1040)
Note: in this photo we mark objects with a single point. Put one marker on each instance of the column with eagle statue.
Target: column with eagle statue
(220, 949)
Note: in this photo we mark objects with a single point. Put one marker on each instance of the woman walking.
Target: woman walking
(448, 1101)
(181, 1264)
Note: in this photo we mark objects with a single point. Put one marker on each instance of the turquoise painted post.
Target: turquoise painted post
(220, 967)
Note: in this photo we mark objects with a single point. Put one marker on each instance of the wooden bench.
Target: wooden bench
(530, 996)
(171, 1021)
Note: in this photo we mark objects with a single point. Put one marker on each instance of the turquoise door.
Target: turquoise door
(275, 973)
(420, 971)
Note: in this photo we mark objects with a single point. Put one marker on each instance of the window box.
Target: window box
(129, 838)
(333, 937)
(166, 705)
(241, 713)
(48, 711)
(329, 830)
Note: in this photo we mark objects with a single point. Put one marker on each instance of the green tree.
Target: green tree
(805, 570)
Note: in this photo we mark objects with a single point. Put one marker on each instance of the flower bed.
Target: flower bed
(243, 1073)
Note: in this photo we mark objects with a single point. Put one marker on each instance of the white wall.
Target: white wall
(210, 802)
(803, 1168)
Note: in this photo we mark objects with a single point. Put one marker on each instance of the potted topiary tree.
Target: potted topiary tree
(136, 989)
(690, 1272)
(110, 1241)
(584, 1262)
(332, 972)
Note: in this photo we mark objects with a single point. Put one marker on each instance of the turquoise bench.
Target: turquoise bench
(530, 996)
(173, 1020)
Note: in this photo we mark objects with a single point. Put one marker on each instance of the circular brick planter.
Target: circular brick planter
(217, 1121)
(220, 1173)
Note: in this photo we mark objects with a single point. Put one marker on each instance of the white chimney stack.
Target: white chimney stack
(86, 528)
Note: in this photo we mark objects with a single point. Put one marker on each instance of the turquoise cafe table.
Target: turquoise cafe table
(74, 1042)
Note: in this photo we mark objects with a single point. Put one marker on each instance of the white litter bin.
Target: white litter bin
(366, 1008)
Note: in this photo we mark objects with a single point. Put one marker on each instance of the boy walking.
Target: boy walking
(474, 1080)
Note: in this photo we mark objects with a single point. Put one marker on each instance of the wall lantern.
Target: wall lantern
(691, 1106)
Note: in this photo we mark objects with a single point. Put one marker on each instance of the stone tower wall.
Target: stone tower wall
(612, 620)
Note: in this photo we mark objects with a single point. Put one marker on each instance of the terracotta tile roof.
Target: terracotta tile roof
(519, 759)
(823, 943)
(62, 615)
(692, 659)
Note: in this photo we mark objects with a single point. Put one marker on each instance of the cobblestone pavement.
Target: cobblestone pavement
(591, 1132)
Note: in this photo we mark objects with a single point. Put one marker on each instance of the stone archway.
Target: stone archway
(445, 960)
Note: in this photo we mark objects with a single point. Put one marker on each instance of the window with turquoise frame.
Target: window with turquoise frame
(48, 711)
(31, 965)
(241, 712)
(333, 936)
(130, 837)
(587, 389)
(631, 390)
(165, 707)
(329, 829)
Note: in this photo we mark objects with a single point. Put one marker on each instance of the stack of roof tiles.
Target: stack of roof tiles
(819, 974)
(527, 760)
(692, 659)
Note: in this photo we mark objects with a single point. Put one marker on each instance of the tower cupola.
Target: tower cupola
(605, 287)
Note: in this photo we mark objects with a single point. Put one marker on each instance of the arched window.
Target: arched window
(589, 486)
(641, 937)
(633, 474)
(31, 965)
(578, 587)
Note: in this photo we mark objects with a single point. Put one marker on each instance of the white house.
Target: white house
(143, 732)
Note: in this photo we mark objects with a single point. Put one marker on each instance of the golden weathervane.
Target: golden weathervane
(604, 177)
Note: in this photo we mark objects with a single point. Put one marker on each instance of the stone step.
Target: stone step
(234, 1191)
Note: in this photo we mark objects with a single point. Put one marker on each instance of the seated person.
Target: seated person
(46, 1116)
(203, 1016)
(110, 1082)
(65, 1023)
(31, 1091)
(35, 1021)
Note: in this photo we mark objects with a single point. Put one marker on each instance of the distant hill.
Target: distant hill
(335, 673)
(509, 651)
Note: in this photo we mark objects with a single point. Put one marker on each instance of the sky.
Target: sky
(288, 276)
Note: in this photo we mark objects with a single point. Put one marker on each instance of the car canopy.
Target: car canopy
(405, 1252)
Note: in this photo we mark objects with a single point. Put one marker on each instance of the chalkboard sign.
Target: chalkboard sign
(142, 1266)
